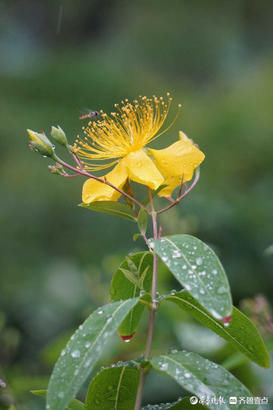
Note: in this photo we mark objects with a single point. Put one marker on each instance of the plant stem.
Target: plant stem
(153, 310)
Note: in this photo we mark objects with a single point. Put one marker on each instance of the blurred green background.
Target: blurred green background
(60, 57)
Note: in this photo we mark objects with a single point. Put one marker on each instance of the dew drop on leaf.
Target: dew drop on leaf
(76, 354)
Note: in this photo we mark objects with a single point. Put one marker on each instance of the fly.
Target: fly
(89, 114)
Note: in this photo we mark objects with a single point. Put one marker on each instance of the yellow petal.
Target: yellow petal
(97, 191)
(177, 161)
(141, 169)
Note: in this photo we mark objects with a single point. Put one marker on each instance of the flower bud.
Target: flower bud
(56, 169)
(58, 134)
(40, 143)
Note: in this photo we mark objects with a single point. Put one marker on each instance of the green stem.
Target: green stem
(153, 309)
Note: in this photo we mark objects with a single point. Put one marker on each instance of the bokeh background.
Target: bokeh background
(57, 259)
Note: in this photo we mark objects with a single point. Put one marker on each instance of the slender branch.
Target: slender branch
(153, 310)
(76, 159)
(188, 190)
(103, 181)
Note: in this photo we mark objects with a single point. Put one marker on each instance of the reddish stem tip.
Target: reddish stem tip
(226, 319)
(127, 338)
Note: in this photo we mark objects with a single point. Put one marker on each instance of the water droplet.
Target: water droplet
(177, 254)
(214, 271)
(184, 267)
(177, 372)
(221, 290)
(109, 319)
(173, 292)
(87, 344)
(199, 261)
(187, 375)
(127, 338)
(63, 352)
(202, 292)
(100, 312)
(76, 354)
(61, 395)
(142, 292)
(164, 366)
(203, 273)
(226, 320)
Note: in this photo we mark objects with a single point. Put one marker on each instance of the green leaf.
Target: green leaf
(73, 405)
(241, 332)
(133, 275)
(112, 208)
(82, 352)
(235, 360)
(202, 378)
(113, 388)
(198, 269)
(142, 220)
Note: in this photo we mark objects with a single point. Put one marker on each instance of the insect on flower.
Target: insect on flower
(89, 114)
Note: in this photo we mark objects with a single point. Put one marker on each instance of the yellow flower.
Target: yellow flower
(121, 139)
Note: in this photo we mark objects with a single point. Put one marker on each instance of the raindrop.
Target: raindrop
(63, 352)
(164, 366)
(109, 319)
(203, 273)
(214, 271)
(87, 344)
(221, 290)
(187, 375)
(76, 354)
(127, 338)
(61, 395)
(202, 292)
(177, 254)
(100, 312)
(184, 267)
(173, 292)
(226, 320)
(199, 261)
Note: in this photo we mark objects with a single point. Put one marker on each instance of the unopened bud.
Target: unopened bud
(58, 134)
(40, 143)
(56, 169)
